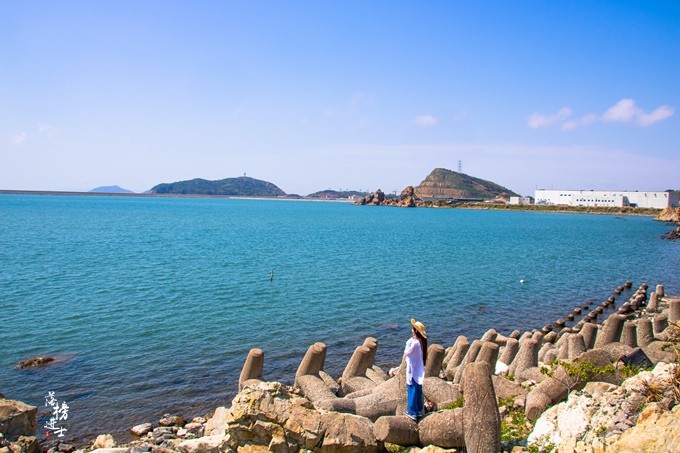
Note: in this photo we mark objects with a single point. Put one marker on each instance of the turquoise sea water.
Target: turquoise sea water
(153, 303)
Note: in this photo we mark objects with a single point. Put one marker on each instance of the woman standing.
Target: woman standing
(416, 356)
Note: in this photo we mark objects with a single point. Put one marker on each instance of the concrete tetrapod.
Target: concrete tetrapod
(509, 351)
(481, 420)
(383, 399)
(460, 350)
(476, 426)
(470, 357)
(645, 332)
(653, 304)
(452, 350)
(373, 372)
(629, 334)
(611, 330)
(308, 378)
(435, 359)
(354, 377)
(660, 323)
(526, 358)
(674, 311)
(589, 332)
(555, 388)
(253, 368)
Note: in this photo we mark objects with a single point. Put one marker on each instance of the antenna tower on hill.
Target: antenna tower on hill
(460, 166)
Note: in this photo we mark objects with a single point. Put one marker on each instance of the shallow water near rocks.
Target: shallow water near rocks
(152, 304)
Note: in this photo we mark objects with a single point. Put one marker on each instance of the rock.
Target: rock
(658, 432)
(66, 448)
(593, 419)
(141, 430)
(17, 419)
(112, 450)
(218, 423)
(172, 420)
(208, 444)
(26, 444)
(104, 441)
(34, 362)
(275, 416)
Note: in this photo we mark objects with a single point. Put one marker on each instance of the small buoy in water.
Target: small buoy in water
(521, 282)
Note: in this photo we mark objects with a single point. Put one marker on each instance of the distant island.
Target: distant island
(110, 189)
(330, 194)
(242, 186)
(440, 184)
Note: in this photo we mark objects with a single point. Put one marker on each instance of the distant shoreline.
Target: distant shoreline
(627, 211)
(163, 195)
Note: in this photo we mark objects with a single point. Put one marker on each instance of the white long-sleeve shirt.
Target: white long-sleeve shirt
(415, 370)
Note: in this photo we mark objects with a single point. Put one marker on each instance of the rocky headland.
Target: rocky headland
(605, 377)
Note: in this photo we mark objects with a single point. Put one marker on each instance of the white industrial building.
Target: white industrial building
(614, 198)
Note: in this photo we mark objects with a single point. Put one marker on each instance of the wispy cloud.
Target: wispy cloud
(18, 138)
(624, 111)
(537, 120)
(426, 120)
(576, 122)
(45, 130)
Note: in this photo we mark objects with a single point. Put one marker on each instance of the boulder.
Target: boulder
(25, 444)
(218, 423)
(208, 444)
(172, 420)
(17, 419)
(275, 416)
(601, 415)
(104, 441)
(142, 429)
(656, 430)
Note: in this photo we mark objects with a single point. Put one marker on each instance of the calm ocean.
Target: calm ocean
(153, 303)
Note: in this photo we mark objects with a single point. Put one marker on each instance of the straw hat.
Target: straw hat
(419, 326)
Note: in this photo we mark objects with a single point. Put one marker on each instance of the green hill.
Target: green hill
(443, 183)
(241, 186)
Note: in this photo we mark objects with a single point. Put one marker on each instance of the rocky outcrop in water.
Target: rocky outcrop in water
(672, 235)
(34, 362)
(670, 214)
(374, 199)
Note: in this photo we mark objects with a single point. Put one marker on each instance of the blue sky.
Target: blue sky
(340, 94)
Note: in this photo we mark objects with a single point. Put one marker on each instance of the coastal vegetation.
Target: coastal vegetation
(241, 186)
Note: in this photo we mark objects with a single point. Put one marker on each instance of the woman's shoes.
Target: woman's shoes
(413, 417)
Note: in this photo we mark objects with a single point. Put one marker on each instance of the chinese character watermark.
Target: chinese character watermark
(59, 412)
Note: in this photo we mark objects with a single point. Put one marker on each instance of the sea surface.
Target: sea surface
(151, 304)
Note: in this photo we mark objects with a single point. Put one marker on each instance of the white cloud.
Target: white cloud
(18, 138)
(659, 114)
(624, 111)
(537, 120)
(583, 121)
(425, 120)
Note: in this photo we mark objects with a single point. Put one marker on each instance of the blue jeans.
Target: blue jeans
(415, 399)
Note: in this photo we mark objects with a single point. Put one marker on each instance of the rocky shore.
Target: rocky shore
(605, 377)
